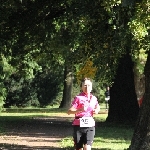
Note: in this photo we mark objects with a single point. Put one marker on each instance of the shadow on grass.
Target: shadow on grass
(114, 131)
(34, 110)
(24, 147)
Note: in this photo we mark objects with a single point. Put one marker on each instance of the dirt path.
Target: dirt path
(35, 134)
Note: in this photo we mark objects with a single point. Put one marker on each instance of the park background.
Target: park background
(48, 46)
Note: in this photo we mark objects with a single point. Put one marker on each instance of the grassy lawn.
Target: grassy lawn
(108, 136)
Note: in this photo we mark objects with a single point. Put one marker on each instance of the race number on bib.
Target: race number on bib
(86, 122)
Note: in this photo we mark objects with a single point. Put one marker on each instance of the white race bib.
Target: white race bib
(86, 122)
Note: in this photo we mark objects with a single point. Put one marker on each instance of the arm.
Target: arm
(97, 109)
(74, 107)
(73, 110)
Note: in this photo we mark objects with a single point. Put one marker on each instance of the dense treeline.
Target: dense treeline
(37, 41)
(30, 73)
(38, 92)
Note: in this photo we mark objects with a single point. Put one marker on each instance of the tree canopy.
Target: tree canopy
(36, 34)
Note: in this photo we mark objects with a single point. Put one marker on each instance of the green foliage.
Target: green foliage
(38, 92)
(139, 27)
(98, 91)
(28, 44)
(31, 66)
(5, 71)
(39, 36)
(139, 58)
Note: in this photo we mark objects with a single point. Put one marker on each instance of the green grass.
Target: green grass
(34, 110)
(106, 138)
(48, 109)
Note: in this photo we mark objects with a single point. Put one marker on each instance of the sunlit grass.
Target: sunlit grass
(32, 114)
(106, 138)
(55, 116)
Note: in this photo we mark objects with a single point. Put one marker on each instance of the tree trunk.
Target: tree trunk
(123, 101)
(139, 81)
(141, 136)
(67, 91)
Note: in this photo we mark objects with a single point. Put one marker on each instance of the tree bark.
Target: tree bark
(139, 82)
(123, 105)
(141, 136)
(68, 84)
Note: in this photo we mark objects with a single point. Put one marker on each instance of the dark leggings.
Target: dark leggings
(82, 136)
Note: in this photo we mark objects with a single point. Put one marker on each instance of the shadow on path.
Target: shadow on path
(34, 134)
(24, 147)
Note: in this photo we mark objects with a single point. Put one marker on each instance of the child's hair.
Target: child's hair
(84, 80)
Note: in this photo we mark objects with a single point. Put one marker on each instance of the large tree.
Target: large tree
(140, 139)
(123, 102)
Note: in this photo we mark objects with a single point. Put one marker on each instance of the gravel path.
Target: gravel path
(35, 134)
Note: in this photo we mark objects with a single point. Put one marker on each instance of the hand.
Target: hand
(95, 111)
(84, 108)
